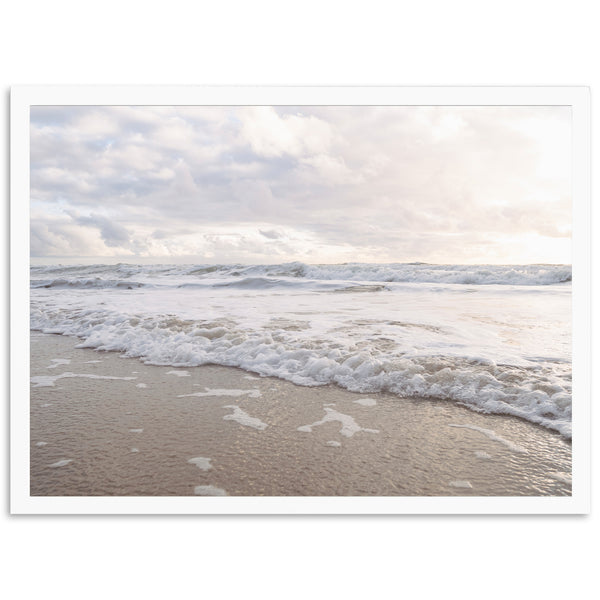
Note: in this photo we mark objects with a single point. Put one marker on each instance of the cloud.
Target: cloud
(332, 170)
(325, 183)
(113, 234)
(59, 236)
(270, 134)
(271, 235)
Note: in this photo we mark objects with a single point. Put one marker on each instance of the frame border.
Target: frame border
(23, 97)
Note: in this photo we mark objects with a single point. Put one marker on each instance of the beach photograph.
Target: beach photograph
(300, 300)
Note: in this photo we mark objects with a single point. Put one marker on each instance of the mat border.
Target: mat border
(23, 97)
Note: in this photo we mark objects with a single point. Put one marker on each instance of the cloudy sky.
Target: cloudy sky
(313, 184)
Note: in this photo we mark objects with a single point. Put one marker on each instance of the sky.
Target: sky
(316, 184)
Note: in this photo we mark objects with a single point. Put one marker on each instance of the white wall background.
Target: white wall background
(516, 42)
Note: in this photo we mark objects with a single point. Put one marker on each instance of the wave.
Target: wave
(538, 390)
(263, 276)
(400, 273)
(445, 274)
(256, 283)
(85, 283)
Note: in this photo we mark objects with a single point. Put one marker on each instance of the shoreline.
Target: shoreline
(104, 425)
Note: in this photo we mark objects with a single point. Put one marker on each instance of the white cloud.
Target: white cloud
(332, 170)
(95, 122)
(465, 184)
(63, 237)
(270, 134)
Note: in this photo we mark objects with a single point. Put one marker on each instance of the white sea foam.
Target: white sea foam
(494, 338)
(202, 463)
(333, 444)
(366, 402)
(50, 380)
(561, 476)
(349, 425)
(179, 373)
(61, 463)
(141, 385)
(41, 443)
(494, 437)
(136, 430)
(209, 490)
(234, 393)
(461, 484)
(244, 418)
(484, 455)
(59, 361)
(134, 450)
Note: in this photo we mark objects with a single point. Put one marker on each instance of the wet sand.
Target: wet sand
(104, 425)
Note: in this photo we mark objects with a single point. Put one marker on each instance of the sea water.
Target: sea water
(494, 338)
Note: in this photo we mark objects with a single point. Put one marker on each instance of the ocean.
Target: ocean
(494, 338)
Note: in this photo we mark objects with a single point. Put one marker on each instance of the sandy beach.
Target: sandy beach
(104, 425)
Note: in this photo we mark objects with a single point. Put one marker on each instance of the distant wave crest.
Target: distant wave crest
(82, 283)
(269, 276)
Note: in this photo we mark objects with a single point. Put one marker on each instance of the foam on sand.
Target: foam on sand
(461, 484)
(209, 490)
(141, 385)
(484, 455)
(59, 361)
(202, 463)
(61, 463)
(254, 393)
(414, 454)
(349, 425)
(179, 373)
(41, 443)
(562, 477)
(136, 430)
(244, 418)
(366, 402)
(50, 380)
(494, 437)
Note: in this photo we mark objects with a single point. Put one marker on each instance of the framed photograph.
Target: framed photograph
(261, 300)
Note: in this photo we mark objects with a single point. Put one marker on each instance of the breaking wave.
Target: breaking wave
(494, 338)
(284, 274)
